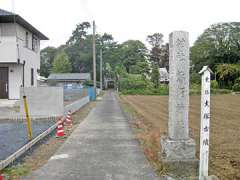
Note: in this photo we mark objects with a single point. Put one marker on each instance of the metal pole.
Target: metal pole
(94, 60)
(101, 78)
(27, 118)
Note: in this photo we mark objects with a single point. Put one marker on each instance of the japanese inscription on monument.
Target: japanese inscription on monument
(179, 85)
(205, 122)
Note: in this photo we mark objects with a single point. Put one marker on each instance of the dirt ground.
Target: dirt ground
(40, 155)
(224, 134)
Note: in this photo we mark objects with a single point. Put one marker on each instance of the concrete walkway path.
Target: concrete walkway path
(102, 147)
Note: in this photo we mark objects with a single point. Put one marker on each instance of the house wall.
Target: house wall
(8, 46)
(14, 80)
(31, 58)
(10, 54)
(7, 29)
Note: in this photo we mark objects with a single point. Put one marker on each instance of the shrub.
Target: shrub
(195, 78)
(155, 76)
(214, 84)
(195, 86)
(88, 83)
(227, 74)
(149, 90)
(132, 82)
(236, 86)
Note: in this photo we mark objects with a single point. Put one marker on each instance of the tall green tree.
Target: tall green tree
(218, 44)
(159, 53)
(155, 76)
(61, 63)
(79, 48)
(132, 52)
(47, 56)
(79, 34)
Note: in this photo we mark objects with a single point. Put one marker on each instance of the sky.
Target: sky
(124, 19)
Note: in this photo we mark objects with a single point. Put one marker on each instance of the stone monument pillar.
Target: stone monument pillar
(178, 150)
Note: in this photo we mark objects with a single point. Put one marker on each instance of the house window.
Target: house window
(32, 76)
(34, 43)
(26, 40)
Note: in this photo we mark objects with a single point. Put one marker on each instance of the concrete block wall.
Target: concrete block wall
(43, 101)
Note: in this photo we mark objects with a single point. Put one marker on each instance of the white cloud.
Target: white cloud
(125, 19)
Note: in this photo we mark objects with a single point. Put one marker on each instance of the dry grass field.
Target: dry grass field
(224, 134)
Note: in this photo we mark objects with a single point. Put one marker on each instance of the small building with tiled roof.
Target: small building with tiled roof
(69, 78)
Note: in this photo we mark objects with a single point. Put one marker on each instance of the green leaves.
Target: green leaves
(155, 76)
(220, 43)
(61, 63)
(47, 56)
(227, 74)
(79, 33)
(132, 52)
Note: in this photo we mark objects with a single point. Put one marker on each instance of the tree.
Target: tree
(47, 56)
(79, 33)
(79, 50)
(141, 68)
(155, 76)
(164, 56)
(80, 55)
(220, 43)
(155, 40)
(159, 53)
(132, 51)
(61, 63)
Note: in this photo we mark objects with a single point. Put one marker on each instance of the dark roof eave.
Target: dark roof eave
(24, 23)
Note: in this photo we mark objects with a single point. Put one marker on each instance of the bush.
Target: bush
(132, 82)
(236, 86)
(149, 90)
(227, 74)
(214, 84)
(195, 86)
(195, 78)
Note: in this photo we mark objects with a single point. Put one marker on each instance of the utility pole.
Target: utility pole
(101, 75)
(94, 59)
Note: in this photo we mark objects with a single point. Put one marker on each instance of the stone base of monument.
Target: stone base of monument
(178, 157)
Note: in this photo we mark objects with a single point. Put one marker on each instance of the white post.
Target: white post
(205, 122)
(94, 59)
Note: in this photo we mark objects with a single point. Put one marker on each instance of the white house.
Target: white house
(164, 76)
(19, 54)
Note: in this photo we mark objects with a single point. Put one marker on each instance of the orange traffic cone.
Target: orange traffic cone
(68, 121)
(1, 177)
(60, 130)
